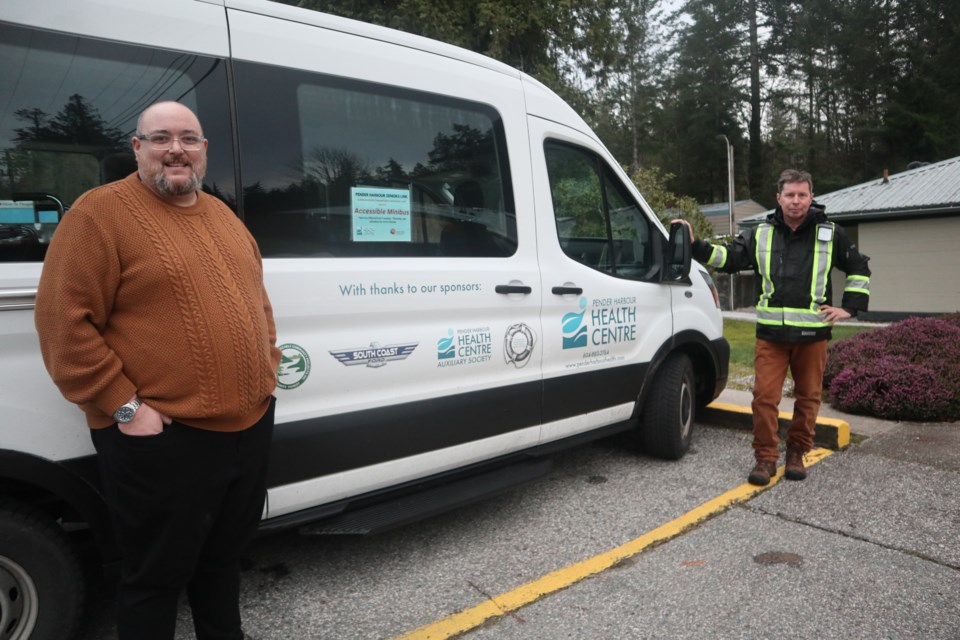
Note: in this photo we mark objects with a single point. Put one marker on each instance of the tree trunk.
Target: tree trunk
(755, 173)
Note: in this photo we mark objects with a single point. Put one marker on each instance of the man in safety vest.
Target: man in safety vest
(792, 252)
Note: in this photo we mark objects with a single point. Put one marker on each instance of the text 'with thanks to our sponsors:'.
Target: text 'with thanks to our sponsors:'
(391, 289)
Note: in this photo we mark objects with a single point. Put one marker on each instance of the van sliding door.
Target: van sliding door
(398, 253)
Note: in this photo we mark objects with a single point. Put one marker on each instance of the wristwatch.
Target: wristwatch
(125, 413)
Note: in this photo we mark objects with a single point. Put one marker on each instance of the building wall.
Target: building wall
(915, 265)
(721, 219)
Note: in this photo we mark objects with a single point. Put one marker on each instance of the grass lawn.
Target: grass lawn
(742, 336)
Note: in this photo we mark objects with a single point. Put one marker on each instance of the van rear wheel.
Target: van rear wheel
(666, 426)
(41, 581)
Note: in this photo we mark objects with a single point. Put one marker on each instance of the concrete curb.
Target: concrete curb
(830, 433)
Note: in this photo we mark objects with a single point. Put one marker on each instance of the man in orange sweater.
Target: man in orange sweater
(154, 320)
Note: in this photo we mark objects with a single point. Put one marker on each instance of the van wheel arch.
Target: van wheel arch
(704, 360)
(667, 415)
(64, 491)
(41, 579)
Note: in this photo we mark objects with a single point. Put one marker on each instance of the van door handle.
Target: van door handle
(17, 299)
(563, 291)
(513, 288)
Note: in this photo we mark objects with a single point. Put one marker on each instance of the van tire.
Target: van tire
(41, 581)
(666, 425)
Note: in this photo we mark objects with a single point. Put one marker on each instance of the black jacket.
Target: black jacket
(793, 278)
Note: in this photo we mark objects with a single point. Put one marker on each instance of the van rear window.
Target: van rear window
(69, 109)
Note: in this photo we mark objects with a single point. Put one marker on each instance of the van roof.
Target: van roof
(540, 99)
(167, 15)
(366, 30)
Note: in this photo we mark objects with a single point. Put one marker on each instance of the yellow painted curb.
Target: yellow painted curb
(842, 428)
(829, 432)
(497, 606)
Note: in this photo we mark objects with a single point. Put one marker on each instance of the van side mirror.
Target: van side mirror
(676, 258)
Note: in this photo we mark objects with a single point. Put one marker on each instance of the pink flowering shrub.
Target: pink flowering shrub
(952, 318)
(906, 371)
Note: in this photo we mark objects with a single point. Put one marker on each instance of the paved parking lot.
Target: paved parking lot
(867, 547)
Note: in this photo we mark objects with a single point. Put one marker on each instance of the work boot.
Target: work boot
(795, 468)
(762, 472)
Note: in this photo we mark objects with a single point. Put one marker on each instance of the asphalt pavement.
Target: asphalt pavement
(867, 547)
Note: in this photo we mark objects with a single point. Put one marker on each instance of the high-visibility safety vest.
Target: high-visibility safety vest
(793, 286)
(822, 263)
(808, 317)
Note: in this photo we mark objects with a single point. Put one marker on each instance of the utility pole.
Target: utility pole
(730, 196)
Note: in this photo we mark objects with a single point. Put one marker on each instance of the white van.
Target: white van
(464, 279)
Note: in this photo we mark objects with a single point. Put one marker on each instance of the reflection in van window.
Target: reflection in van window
(69, 109)
(598, 222)
(337, 168)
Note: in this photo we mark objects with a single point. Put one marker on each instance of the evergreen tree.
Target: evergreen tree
(626, 66)
(79, 122)
(705, 97)
(842, 88)
(921, 115)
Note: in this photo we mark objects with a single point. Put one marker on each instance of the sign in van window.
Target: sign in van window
(19, 212)
(380, 214)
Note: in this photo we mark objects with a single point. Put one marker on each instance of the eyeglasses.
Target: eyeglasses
(164, 141)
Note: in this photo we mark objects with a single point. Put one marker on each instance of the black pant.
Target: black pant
(184, 504)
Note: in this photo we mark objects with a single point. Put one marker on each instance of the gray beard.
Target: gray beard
(164, 186)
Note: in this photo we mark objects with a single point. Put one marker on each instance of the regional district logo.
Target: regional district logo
(294, 366)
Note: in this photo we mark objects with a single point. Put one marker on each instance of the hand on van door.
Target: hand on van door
(689, 228)
(147, 421)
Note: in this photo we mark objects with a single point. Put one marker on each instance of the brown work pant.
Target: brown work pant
(806, 361)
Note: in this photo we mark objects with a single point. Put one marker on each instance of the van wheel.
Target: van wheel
(666, 427)
(41, 582)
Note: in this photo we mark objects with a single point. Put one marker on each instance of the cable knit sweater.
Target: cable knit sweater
(138, 296)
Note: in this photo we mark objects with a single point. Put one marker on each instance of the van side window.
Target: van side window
(598, 222)
(341, 168)
(68, 112)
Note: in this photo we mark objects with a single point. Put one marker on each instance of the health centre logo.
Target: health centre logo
(575, 328)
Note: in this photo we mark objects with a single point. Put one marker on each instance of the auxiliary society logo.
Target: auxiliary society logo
(465, 346)
(294, 366)
(376, 355)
